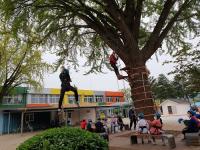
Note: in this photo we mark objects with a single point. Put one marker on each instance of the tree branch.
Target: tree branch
(138, 14)
(161, 22)
(167, 29)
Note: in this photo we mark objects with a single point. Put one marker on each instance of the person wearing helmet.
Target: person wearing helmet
(142, 124)
(192, 124)
(196, 110)
(113, 62)
(65, 86)
(156, 126)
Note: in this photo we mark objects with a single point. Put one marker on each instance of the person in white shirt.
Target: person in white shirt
(142, 126)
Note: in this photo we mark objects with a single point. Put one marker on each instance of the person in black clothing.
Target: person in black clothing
(99, 126)
(132, 118)
(65, 86)
(120, 122)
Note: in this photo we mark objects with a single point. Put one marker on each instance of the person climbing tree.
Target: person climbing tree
(65, 86)
(113, 62)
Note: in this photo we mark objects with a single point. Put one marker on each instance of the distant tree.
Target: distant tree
(163, 88)
(20, 63)
(134, 29)
(187, 68)
(127, 94)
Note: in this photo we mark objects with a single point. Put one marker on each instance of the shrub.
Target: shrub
(66, 138)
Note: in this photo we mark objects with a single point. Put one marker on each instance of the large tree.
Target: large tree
(134, 29)
(21, 63)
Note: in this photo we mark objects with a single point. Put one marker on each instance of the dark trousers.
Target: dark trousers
(187, 130)
(64, 89)
(115, 69)
(131, 123)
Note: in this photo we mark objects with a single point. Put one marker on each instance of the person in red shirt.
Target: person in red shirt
(83, 124)
(113, 62)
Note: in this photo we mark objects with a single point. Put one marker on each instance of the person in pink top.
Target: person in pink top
(156, 126)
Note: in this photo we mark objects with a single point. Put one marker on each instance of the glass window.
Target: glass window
(12, 99)
(39, 99)
(29, 117)
(99, 98)
(89, 99)
(108, 99)
(169, 109)
(71, 99)
(117, 99)
(54, 99)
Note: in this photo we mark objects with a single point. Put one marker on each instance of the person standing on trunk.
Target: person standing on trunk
(65, 86)
(132, 117)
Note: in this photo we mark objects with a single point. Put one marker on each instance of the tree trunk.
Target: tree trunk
(141, 91)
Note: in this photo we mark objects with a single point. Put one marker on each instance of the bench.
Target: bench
(192, 139)
(169, 137)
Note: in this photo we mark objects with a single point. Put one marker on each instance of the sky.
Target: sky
(102, 81)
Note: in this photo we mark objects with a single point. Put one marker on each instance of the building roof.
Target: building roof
(179, 101)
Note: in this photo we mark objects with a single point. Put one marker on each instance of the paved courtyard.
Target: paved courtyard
(118, 141)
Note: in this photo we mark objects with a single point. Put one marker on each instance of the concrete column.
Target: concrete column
(22, 122)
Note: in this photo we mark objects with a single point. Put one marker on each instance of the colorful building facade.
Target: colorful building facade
(37, 109)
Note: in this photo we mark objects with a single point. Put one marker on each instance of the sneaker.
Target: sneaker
(154, 143)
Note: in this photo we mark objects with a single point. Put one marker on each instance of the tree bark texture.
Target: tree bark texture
(141, 91)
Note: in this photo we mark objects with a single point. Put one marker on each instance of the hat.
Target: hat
(157, 115)
(191, 112)
(141, 115)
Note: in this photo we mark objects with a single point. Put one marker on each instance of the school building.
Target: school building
(29, 109)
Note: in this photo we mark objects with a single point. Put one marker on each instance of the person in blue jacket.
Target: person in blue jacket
(192, 124)
(196, 110)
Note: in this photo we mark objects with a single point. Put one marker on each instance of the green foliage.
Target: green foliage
(180, 87)
(90, 27)
(187, 67)
(20, 61)
(66, 138)
(163, 88)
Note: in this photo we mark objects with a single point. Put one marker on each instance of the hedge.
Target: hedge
(66, 138)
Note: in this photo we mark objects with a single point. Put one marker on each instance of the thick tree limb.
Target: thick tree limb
(138, 14)
(117, 15)
(166, 30)
(161, 22)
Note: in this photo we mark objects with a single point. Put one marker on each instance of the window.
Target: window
(29, 117)
(169, 109)
(117, 99)
(108, 99)
(54, 99)
(71, 99)
(89, 99)
(161, 109)
(39, 99)
(12, 99)
(99, 98)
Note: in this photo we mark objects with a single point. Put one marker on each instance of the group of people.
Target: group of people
(193, 124)
(102, 125)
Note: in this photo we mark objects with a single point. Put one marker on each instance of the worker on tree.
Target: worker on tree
(65, 86)
(113, 61)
